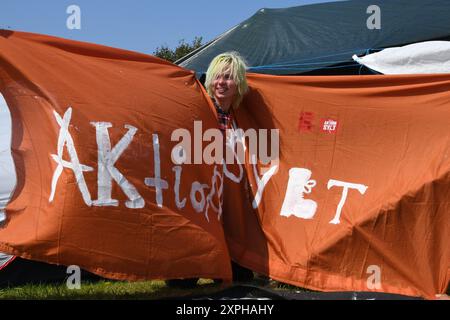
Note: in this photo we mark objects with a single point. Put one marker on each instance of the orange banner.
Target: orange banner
(359, 199)
(92, 147)
(355, 199)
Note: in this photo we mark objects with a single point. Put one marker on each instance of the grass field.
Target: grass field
(143, 290)
(118, 290)
(106, 290)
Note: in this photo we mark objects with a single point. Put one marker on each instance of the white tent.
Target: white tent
(421, 57)
(7, 170)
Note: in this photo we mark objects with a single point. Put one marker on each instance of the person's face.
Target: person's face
(224, 87)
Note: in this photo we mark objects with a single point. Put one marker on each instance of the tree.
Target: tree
(183, 48)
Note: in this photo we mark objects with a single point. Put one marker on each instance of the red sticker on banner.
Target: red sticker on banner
(306, 121)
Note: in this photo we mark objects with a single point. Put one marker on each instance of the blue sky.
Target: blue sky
(139, 25)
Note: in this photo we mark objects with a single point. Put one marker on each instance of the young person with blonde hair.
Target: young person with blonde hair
(226, 84)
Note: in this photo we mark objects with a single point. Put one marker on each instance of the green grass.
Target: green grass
(106, 290)
(121, 290)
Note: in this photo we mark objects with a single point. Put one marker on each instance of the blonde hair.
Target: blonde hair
(233, 63)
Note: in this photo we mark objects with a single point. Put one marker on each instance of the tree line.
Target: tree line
(183, 48)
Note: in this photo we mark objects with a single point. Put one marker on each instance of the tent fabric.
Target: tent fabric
(81, 115)
(323, 36)
(5, 259)
(418, 58)
(357, 199)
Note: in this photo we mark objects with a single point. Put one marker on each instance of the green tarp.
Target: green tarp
(325, 36)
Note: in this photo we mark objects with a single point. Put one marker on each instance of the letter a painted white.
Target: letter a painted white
(106, 170)
(157, 182)
(65, 139)
(346, 185)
